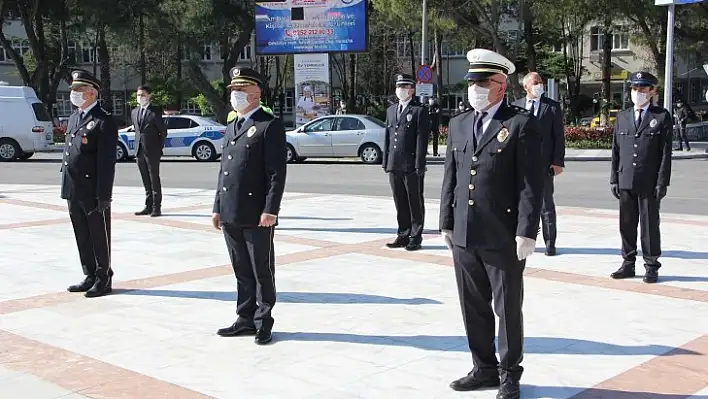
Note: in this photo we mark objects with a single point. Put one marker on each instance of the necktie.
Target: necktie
(239, 123)
(400, 111)
(639, 117)
(533, 108)
(478, 127)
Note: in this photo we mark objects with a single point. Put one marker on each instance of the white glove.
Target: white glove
(524, 247)
(447, 236)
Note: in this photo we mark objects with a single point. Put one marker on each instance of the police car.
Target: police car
(187, 135)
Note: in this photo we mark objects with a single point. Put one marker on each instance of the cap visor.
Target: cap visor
(478, 75)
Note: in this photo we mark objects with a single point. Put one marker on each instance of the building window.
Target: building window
(206, 52)
(245, 53)
(620, 39)
(88, 53)
(64, 107)
(20, 46)
(448, 49)
(71, 47)
(190, 107)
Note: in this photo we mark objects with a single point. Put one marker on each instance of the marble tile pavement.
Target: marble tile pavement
(353, 319)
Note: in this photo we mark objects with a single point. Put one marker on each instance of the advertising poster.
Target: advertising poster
(312, 91)
(310, 26)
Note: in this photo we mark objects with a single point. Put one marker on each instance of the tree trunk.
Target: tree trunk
(606, 73)
(178, 66)
(529, 37)
(195, 75)
(141, 47)
(438, 62)
(352, 82)
(410, 42)
(105, 60)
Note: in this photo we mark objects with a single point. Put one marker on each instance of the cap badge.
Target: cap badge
(639, 75)
(236, 72)
(399, 77)
(91, 125)
(76, 75)
(409, 117)
(251, 131)
(84, 140)
(503, 134)
(653, 123)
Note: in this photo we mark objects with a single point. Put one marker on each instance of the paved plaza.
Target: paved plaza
(354, 319)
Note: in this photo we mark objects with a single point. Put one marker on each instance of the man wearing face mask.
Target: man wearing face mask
(640, 175)
(434, 112)
(88, 172)
(150, 136)
(249, 192)
(682, 113)
(490, 208)
(405, 149)
(550, 121)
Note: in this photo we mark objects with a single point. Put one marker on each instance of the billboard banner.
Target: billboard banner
(312, 91)
(311, 26)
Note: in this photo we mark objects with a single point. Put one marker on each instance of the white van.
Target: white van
(25, 124)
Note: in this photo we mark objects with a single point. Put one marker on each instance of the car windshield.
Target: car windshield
(374, 120)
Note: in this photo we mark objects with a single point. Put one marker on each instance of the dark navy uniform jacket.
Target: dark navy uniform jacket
(89, 162)
(641, 156)
(253, 167)
(406, 142)
(493, 193)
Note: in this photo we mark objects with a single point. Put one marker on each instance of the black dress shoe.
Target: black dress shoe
(399, 242)
(651, 276)
(413, 246)
(474, 381)
(625, 271)
(144, 212)
(509, 390)
(263, 336)
(101, 287)
(82, 286)
(239, 328)
(550, 251)
(155, 213)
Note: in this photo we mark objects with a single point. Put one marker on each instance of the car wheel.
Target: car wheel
(290, 154)
(370, 154)
(121, 153)
(9, 150)
(26, 155)
(203, 151)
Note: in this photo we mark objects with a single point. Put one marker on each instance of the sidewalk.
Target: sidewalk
(354, 319)
(699, 150)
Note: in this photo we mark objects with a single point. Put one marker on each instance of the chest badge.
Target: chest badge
(502, 136)
(84, 140)
(409, 117)
(653, 123)
(91, 125)
(251, 131)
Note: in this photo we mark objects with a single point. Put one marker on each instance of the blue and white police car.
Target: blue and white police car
(187, 135)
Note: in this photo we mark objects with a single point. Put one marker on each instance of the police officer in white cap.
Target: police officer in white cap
(641, 171)
(490, 208)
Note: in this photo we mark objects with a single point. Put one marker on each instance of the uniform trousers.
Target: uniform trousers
(435, 134)
(483, 276)
(548, 212)
(149, 168)
(253, 260)
(643, 209)
(408, 198)
(92, 230)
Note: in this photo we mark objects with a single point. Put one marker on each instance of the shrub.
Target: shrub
(59, 134)
(588, 134)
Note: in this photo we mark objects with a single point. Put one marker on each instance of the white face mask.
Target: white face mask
(77, 98)
(537, 90)
(239, 100)
(639, 99)
(143, 101)
(478, 97)
(402, 93)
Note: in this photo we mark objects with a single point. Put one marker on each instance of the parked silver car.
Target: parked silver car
(338, 136)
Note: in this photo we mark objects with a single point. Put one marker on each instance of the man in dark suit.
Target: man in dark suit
(640, 175)
(88, 172)
(405, 149)
(150, 135)
(249, 191)
(490, 207)
(434, 113)
(550, 122)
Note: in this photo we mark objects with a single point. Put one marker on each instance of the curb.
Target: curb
(588, 158)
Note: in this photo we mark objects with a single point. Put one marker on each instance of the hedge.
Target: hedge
(575, 137)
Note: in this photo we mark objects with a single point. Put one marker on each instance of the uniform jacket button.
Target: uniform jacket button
(474, 159)
(508, 210)
(67, 153)
(250, 193)
(471, 202)
(223, 188)
(634, 164)
(471, 186)
(233, 142)
(473, 172)
(66, 163)
(230, 157)
(86, 176)
(226, 173)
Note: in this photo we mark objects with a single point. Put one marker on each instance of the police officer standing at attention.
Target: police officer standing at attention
(490, 208)
(405, 149)
(249, 191)
(88, 172)
(641, 171)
